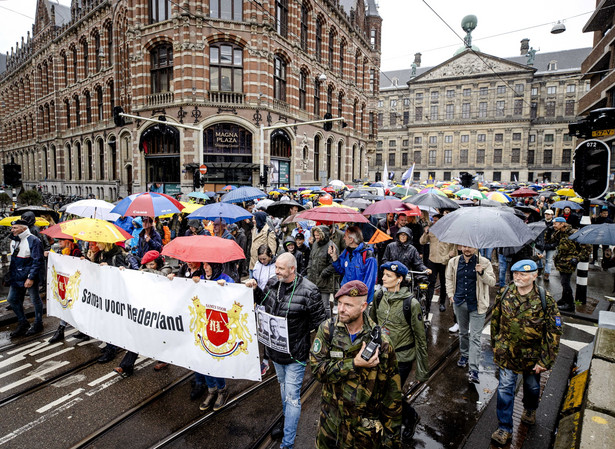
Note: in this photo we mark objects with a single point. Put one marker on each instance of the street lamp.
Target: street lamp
(558, 28)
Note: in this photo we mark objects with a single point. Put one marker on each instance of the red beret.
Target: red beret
(149, 256)
(352, 288)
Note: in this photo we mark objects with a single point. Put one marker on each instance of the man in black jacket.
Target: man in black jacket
(294, 299)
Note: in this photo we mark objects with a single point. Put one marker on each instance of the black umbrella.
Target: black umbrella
(598, 234)
(365, 194)
(482, 227)
(359, 203)
(432, 200)
(281, 209)
(490, 203)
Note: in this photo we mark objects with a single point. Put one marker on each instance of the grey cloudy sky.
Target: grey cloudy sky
(409, 26)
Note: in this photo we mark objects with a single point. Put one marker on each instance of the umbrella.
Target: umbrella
(500, 197)
(388, 206)
(329, 190)
(337, 184)
(6, 221)
(470, 194)
(597, 234)
(538, 227)
(359, 203)
(229, 188)
(401, 191)
(433, 191)
(92, 208)
(563, 204)
(94, 230)
(38, 210)
(331, 214)
(148, 204)
(523, 192)
(490, 203)
(413, 210)
(263, 204)
(284, 188)
(281, 208)
(547, 194)
(203, 248)
(225, 211)
(482, 227)
(432, 200)
(566, 192)
(364, 194)
(210, 194)
(200, 195)
(243, 194)
(55, 232)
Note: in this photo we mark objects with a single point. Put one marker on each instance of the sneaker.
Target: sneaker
(528, 417)
(208, 403)
(36, 328)
(473, 377)
(197, 391)
(222, 398)
(462, 362)
(264, 367)
(454, 328)
(500, 437)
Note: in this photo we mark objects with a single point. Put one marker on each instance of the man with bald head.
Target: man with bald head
(291, 298)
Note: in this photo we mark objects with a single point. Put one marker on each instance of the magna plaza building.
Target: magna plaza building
(503, 119)
(222, 67)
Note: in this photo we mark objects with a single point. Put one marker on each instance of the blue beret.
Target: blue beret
(559, 220)
(396, 267)
(525, 265)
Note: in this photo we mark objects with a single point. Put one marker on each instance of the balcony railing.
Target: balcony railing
(160, 99)
(226, 97)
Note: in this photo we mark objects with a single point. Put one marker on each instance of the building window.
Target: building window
(500, 107)
(465, 138)
(342, 51)
(433, 140)
(482, 109)
(435, 95)
(319, 40)
(226, 68)
(450, 93)
(516, 136)
(99, 102)
(109, 29)
(393, 103)
(433, 114)
(533, 110)
(450, 111)
(499, 137)
(448, 156)
(75, 65)
(160, 10)
(372, 80)
(393, 119)
(330, 99)
(77, 112)
(514, 176)
(379, 144)
(418, 96)
(97, 51)
(304, 26)
(88, 107)
(566, 156)
(467, 92)
(569, 107)
(534, 91)
(391, 159)
(497, 176)
(567, 137)
(225, 9)
(432, 157)
(279, 79)
(463, 156)
(483, 91)
(465, 110)
(532, 138)
(404, 159)
(378, 159)
(331, 48)
(65, 68)
(281, 17)
(480, 156)
(497, 156)
(392, 143)
(406, 117)
(519, 88)
(547, 156)
(302, 89)
(565, 177)
(550, 109)
(67, 108)
(501, 90)
(530, 157)
(316, 157)
(448, 139)
(84, 49)
(551, 90)
(161, 70)
(380, 119)
(418, 140)
(406, 102)
(571, 88)
(417, 157)
(481, 138)
(518, 107)
(404, 143)
(380, 103)
(549, 137)
(317, 97)
(418, 113)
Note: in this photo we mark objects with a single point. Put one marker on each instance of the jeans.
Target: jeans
(16, 297)
(547, 261)
(506, 395)
(486, 253)
(210, 381)
(567, 294)
(290, 378)
(470, 327)
(503, 262)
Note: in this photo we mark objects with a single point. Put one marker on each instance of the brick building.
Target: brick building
(223, 66)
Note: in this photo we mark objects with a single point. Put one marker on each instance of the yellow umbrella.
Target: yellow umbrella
(6, 221)
(576, 199)
(94, 230)
(189, 207)
(566, 192)
(283, 188)
(306, 192)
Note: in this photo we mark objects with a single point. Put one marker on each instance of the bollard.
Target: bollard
(582, 270)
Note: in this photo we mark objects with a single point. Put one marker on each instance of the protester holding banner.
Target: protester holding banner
(189, 270)
(149, 239)
(297, 305)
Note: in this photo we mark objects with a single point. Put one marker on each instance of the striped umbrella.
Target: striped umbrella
(500, 197)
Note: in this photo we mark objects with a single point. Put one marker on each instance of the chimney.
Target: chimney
(417, 59)
(525, 46)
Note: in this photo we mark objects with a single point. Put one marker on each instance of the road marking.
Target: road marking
(55, 354)
(576, 345)
(102, 379)
(116, 377)
(15, 370)
(88, 342)
(60, 400)
(36, 376)
(40, 351)
(23, 348)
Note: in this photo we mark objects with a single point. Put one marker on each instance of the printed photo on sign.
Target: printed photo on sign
(272, 331)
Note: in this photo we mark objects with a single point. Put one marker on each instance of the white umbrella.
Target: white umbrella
(337, 184)
(93, 209)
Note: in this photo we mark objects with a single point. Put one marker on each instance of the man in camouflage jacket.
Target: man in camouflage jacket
(569, 253)
(525, 336)
(361, 400)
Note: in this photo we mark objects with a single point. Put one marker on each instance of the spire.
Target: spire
(372, 8)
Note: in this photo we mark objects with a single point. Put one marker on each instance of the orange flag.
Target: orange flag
(379, 236)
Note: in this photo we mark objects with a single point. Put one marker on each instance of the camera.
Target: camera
(373, 345)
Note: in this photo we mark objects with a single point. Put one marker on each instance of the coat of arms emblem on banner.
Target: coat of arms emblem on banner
(65, 288)
(218, 331)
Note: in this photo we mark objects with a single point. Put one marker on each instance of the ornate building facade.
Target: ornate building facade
(224, 67)
(504, 119)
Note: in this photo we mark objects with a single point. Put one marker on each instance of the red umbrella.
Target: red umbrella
(203, 248)
(413, 211)
(331, 214)
(388, 206)
(523, 192)
(55, 232)
(329, 190)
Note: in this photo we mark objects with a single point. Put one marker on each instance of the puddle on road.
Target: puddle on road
(70, 380)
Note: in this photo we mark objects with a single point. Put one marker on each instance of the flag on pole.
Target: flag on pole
(406, 178)
(379, 236)
(385, 175)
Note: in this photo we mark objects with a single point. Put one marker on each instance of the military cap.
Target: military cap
(352, 288)
(525, 265)
(559, 220)
(396, 267)
(19, 222)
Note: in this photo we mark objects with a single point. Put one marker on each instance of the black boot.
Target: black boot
(59, 335)
(567, 307)
(278, 430)
(81, 336)
(36, 328)
(21, 329)
(409, 421)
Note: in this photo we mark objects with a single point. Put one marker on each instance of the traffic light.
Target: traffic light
(599, 123)
(196, 179)
(117, 118)
(265, 176)
(591, 169)
(466, 179)
(12, 174)
(327, 126)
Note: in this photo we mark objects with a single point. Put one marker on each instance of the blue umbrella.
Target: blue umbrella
(225, 211)
(598, 234)
(210, 194)
(201, 195)
(243, 194)
(564, 203)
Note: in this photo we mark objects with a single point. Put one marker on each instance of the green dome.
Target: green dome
(469, 22)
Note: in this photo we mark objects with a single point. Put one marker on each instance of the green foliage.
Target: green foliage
(30, 198)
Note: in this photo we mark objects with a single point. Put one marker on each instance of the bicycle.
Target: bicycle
(419, 282)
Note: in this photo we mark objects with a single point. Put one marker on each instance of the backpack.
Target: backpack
(541, 293)
(407, 307)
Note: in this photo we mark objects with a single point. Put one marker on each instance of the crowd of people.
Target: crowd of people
(328, 278)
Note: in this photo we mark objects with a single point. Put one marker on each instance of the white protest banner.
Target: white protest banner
(201, 326)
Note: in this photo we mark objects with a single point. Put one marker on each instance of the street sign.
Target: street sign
(591, 169)
(603, 133)
(203, 169)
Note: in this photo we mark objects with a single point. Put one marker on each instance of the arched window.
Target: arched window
(79, 161)
(330, 99)
(342, 50)
(226, 9)
(279, 78)
(281, 17)
(65, 68)
(316, 157)
(67, 108)
(159, 10)
(84, 49)
(226, 68)
(88, 107)
(331, 48)
(161, 70)
(340, 104)
(109, 44)
(77, 111)
(100, 103)
(319, 40)
(280, 144)
(101, 160)
(75, 65)
(340, 149)
(54, 162)
(302, 89)
(354, 161)
(89, 160)
(97, 51)
(316, 97)
(329, 161)
(304, 26)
